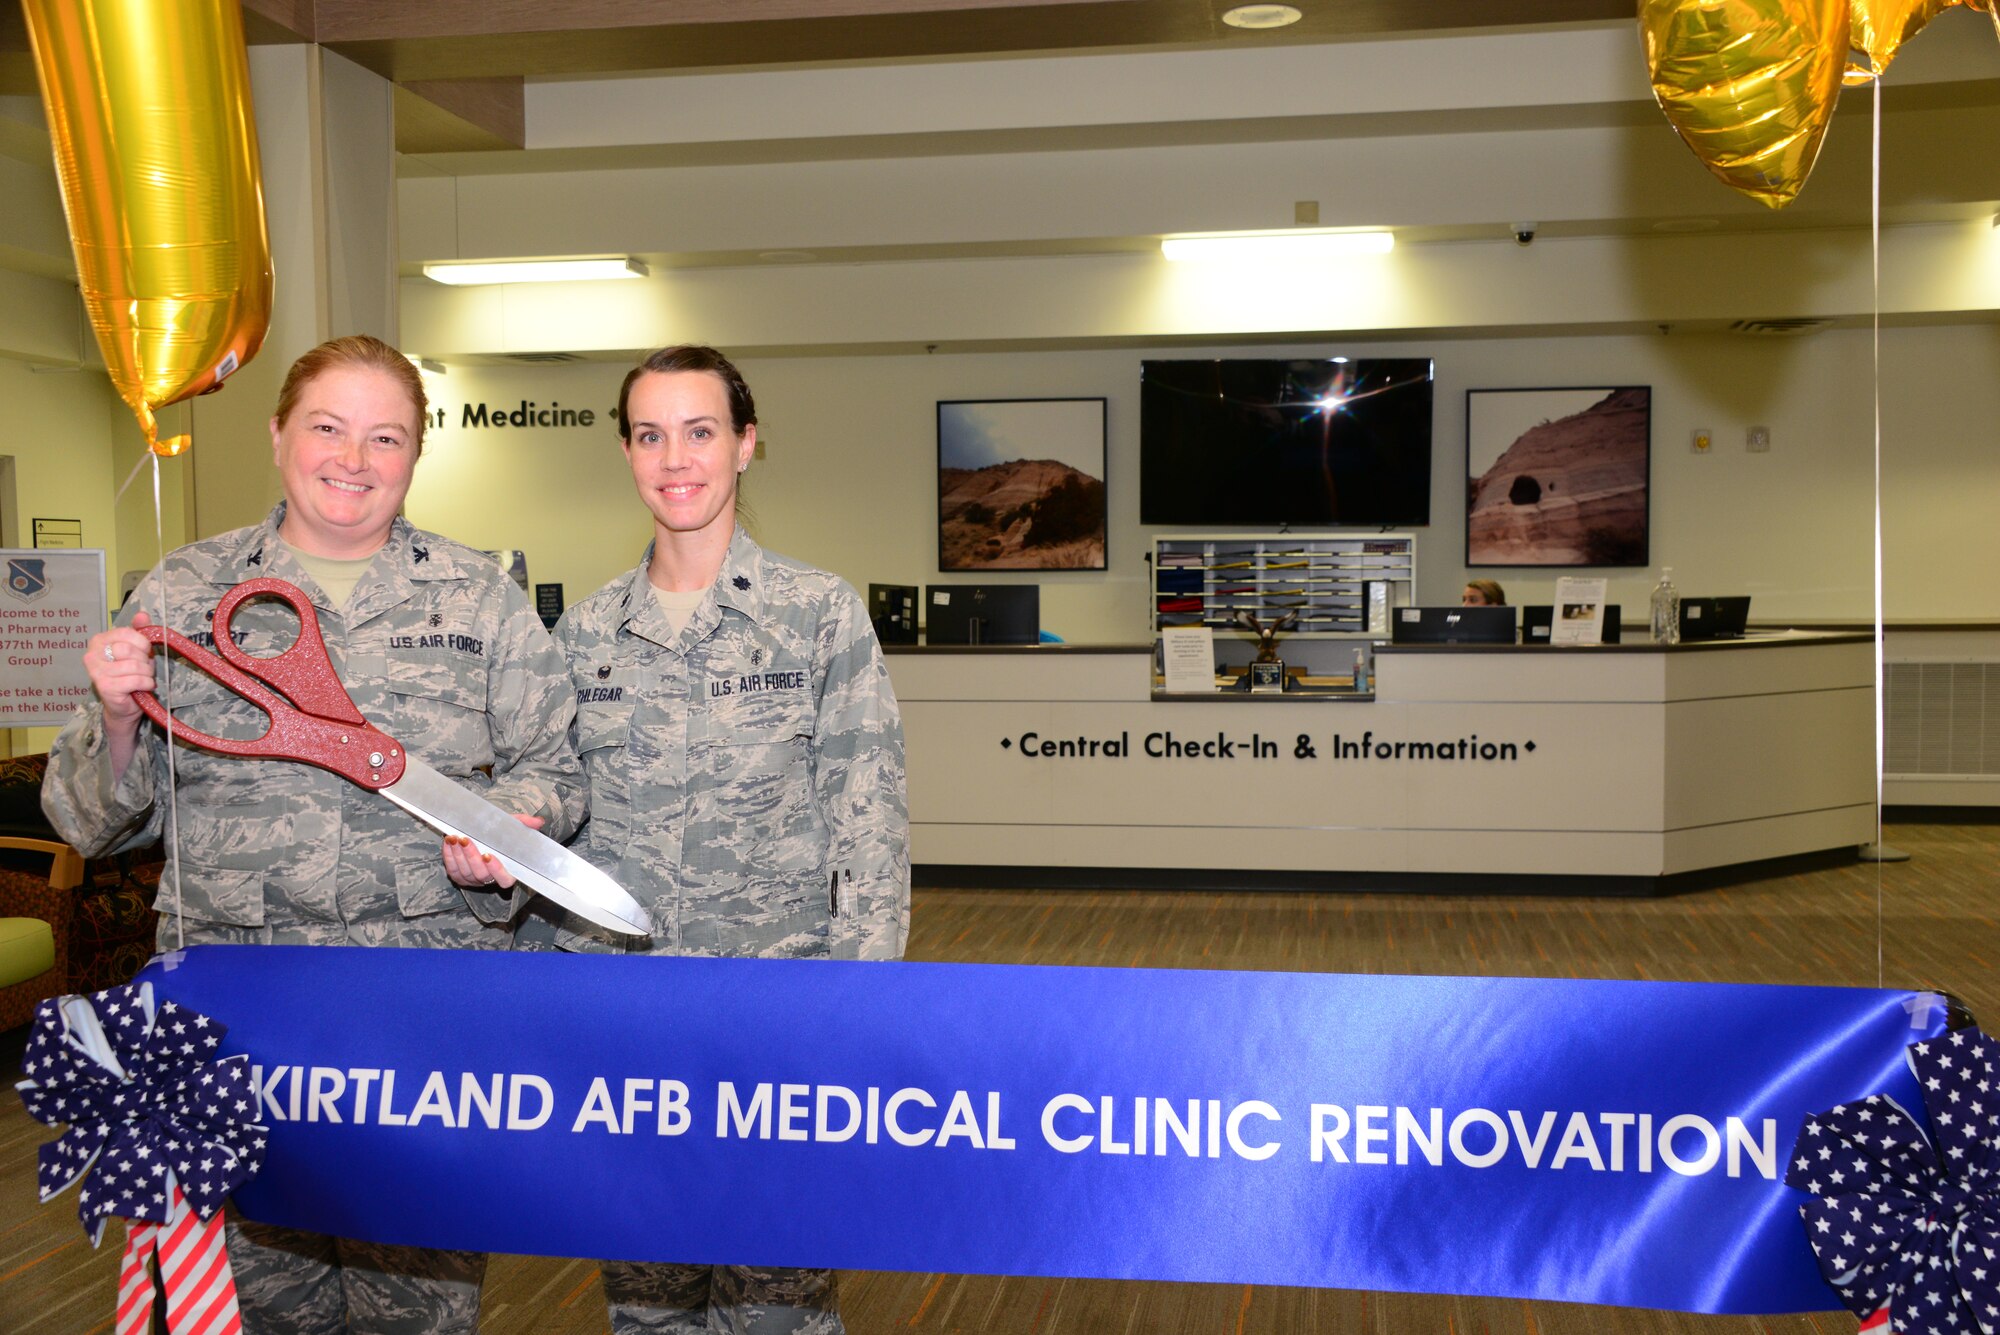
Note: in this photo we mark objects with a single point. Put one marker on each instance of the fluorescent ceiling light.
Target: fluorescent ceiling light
(1291, 245)
(536, 271)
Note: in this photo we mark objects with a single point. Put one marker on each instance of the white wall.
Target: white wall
(849, 481)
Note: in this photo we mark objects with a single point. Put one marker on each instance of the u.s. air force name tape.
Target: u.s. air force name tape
(1588, 1141)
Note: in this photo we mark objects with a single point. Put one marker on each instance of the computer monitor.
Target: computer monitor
(893, 610)
(982, 613)
(1452, 625)
(1538, 623)
(1714, 618)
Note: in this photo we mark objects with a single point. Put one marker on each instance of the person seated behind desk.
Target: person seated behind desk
(1483, 593)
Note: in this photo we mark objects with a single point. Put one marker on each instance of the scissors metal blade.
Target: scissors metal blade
(538, 862)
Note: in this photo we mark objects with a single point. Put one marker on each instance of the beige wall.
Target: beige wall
(849, 477)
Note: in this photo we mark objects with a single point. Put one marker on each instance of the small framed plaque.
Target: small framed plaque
(1267, 677)
(549, 604)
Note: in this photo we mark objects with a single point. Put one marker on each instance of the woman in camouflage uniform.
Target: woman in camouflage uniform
(745, 759)
(439, 648)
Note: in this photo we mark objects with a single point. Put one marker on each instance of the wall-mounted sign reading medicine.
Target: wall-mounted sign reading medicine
(1367, 747)
(521, 413)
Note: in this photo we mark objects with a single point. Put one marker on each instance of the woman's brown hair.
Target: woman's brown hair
(355, 350)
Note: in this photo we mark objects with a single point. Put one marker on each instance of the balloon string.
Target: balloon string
(133, 476)
(167, 690)
(1875, 261)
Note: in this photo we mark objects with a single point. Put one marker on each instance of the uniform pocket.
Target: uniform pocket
(230, 895)
(599, 725)
(423, 887)
(201, 702)
(785, 917)
(753, 811)
(438, 708)
(443, 680)
(754, 737)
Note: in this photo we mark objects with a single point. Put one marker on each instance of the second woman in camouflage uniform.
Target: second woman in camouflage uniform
(745, 759)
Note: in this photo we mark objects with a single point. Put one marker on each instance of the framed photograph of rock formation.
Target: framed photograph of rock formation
(1558, 477)
(1021, 484)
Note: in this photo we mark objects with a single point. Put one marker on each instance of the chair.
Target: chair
(102, 920)
(36, 912)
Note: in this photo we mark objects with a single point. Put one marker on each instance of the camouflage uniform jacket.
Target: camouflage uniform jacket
(746, 775)
(436, 646)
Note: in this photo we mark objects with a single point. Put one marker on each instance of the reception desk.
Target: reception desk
(1613, 761)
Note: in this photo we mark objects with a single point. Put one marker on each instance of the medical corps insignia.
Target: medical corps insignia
(26, 578)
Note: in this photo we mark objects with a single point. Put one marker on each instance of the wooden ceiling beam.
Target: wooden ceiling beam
(274, 22)
(459, 39)
(460, 115)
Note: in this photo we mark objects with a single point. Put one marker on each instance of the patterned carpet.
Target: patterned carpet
(1927, 922)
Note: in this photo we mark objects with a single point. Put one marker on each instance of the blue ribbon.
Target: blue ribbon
(1587, 1141)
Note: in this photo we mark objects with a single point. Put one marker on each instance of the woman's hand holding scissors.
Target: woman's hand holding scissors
(468, 865)
(120, 664)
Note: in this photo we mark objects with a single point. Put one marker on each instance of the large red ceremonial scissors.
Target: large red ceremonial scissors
(316, 723)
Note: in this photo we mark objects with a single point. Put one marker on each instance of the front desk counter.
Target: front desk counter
(1615, 761)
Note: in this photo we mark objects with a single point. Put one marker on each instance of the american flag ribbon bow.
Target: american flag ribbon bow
(171, 1132)
(1906, 1225)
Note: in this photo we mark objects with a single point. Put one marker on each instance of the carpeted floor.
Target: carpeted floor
(1805, 921)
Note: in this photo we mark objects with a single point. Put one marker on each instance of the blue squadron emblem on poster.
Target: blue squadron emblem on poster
(26, 577)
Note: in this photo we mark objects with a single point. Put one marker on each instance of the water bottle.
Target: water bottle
(1360, 670)
(1666, 609)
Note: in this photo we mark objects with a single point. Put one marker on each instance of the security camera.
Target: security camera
(1523, 232)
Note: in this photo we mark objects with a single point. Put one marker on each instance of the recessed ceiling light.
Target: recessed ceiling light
(1297, 244)
(1262, 16)
(536, 271)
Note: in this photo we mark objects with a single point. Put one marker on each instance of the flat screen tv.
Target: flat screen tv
(1332, 442)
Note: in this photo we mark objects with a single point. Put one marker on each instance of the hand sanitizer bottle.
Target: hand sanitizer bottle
(1666, 609)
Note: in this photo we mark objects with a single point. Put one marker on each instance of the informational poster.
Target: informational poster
(1579, 615)
(1187, 656)
(51, 603)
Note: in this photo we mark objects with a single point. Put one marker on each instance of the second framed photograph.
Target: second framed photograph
(1021, 484)
(1558, 477)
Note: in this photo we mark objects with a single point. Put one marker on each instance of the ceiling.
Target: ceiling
(1095, 125)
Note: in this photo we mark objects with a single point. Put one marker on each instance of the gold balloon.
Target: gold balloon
(149, 109)
(1749, 84)
(1881, 26)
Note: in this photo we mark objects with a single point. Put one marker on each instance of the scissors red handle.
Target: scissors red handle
(343, 742)
(303, 673)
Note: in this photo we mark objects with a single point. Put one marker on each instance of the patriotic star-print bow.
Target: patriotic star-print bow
(169, 1129)
(1906, 1225)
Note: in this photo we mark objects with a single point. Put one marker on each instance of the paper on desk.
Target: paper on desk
(1579, 615)
(1187, 655)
